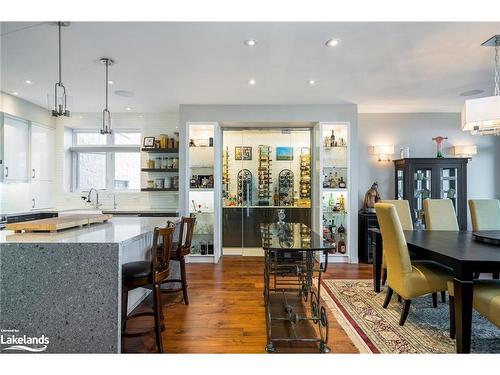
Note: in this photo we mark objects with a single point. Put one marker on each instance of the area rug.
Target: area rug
(374, 329)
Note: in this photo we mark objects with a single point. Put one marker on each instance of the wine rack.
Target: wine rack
(264, 191)
(305, 174)
(225, 173)
(245, 187)
(285, 187)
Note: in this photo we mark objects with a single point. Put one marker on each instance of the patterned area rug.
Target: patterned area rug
(374, 329)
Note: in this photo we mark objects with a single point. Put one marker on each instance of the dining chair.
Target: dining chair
(439, 214)
(404, 214)
(486, 300)
(408, 279)
(149, 274)
(485, 214)
(181, 248)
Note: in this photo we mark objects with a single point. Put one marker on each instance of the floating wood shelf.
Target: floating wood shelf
(158, 189)
(159, 169)
(161, 150)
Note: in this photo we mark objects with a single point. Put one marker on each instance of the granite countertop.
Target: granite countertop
(118, 230)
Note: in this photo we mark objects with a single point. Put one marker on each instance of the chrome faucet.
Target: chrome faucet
(97, 204)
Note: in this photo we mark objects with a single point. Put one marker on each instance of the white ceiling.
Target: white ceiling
(380, 66)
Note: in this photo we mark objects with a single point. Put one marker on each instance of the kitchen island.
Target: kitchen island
(66, 286)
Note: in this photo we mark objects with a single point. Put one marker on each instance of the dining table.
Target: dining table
(463, 252)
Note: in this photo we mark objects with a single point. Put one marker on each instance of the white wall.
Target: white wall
(15, 196)
(150, 124)
(416, 131)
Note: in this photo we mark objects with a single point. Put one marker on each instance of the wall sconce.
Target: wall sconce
(383, 152)
(464, 151)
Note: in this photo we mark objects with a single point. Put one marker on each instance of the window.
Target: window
(110, 162)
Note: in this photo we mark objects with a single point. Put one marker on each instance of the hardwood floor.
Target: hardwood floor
(226, 311)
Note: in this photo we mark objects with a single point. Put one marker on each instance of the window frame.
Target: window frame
(110, 149)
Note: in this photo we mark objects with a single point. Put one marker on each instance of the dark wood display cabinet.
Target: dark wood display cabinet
(366, 221)
(437, 178)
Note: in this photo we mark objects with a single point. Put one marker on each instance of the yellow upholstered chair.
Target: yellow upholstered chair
(406, 279)
(485, 214)
(440, 214)
(486, 301)
(404, 214)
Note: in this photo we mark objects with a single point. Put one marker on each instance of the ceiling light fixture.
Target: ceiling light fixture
(250, 42)
(252, 82)
(15, 93)
(481, 116)
(110, 82)
(332, 43)
(106, 115)
(28, 82)
(60, 105)
(311, 82)
(128, 109)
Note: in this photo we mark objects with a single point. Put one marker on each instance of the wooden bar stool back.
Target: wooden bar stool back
(181, 249)
(149, 274)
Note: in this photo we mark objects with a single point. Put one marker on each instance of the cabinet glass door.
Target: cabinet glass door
(400, 183)
(448, 184)
(422, 186)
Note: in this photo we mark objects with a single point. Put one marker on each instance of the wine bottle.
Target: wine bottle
(332, 139)
(342, 183)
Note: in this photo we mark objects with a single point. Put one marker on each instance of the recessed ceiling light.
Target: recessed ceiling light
(15, 93)
(128, 109)
(311, 81)
(250, 42)
(28, 82)
(332, 43)
(472, 92)
(252, 82)
(110, 82)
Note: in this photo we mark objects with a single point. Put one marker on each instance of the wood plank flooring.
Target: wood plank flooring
(226, 311)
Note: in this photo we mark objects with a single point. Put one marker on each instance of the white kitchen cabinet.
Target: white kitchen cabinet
(42, 153)
(15, 150)
(42, 194)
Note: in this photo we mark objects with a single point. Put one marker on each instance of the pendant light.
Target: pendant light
(60, 106)
(106, 115)
(481, 116)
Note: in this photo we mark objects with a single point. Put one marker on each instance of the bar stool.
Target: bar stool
(180, 250)
(148, 274)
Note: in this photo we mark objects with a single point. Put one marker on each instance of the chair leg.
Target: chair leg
(434, 300)
(388, 297)
(124, 308)
(384, 276)
(443, 296)
(158, 316)
(184, 280)
(476, 275)
(404, 313)
(452, 317)
(399, 298)
(496, 275)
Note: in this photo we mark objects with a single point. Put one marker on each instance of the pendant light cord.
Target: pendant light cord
(107, 62)
(60, 53)
(497, 73)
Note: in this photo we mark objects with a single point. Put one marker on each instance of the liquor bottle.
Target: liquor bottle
(332, 139)
(331, 182)
(336, 180)
(342, 203)
(341, 244)
(330, 201)
(325, 181)
(342, 183)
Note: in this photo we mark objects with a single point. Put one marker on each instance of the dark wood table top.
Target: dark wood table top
(460, 246)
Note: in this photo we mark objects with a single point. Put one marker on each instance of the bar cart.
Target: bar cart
(293, 307)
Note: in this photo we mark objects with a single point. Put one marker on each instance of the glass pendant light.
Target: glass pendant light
(106, 115)
(481, 116)
(60, 104)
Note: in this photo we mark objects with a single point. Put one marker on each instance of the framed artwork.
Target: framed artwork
(149, 142)
(284, 153)
(242, 153)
